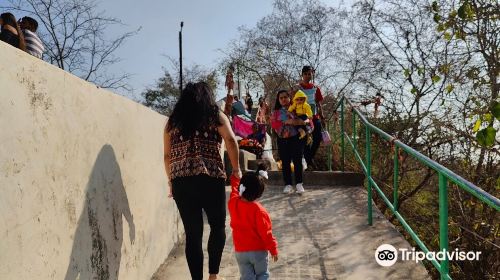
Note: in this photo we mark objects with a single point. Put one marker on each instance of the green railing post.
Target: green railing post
(369, 173)
(342, 135)
(396, 178)
(330, 147)
(354, 130)
(445, 175)
(443, 223)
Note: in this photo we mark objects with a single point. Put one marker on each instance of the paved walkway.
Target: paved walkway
(322, 234)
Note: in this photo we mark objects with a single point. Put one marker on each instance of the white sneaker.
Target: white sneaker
(304, 164)
(287, 189)
(300, 188)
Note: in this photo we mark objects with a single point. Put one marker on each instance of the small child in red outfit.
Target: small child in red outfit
(251, 225)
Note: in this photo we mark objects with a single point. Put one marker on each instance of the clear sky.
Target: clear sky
(208, 25)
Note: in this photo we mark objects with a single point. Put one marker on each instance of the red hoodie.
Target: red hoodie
(251, 224)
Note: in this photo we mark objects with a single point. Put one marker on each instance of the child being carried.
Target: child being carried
(303, 111)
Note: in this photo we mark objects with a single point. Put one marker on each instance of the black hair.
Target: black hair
(254, 183)
(277, 104)
(195, 109)
(10, 19)
(32, 23)
(307, 68)
(249, 103)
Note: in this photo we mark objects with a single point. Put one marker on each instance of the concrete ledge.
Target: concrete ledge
(82, 181)
(245, 157)
(321, 178)
(253, 164)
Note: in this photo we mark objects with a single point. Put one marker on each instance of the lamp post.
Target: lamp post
(180, 57)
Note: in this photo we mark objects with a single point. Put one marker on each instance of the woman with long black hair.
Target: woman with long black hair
(194, 167)
(11, 32)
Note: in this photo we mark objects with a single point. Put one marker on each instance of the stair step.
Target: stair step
(253, 164)
(321, 178)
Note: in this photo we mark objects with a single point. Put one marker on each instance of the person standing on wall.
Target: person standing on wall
(314, 98)
(10, 31)
(192, 145)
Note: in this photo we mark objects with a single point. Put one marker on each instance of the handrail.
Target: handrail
(444, 175)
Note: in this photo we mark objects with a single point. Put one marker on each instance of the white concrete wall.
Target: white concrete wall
(82, 182)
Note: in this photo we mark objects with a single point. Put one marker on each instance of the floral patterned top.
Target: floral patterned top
(196, 155)
(277, 119)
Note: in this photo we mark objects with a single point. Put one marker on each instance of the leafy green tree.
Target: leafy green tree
(295, 34)
(439, 91)
(163, 96)
(474, 26)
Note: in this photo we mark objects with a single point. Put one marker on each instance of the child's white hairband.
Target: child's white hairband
(261, 173)
(242, 189)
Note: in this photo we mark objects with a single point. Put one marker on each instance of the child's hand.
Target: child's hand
(275, 258)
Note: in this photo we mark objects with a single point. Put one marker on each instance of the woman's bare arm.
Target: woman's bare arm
(231, 145)
(166, 158)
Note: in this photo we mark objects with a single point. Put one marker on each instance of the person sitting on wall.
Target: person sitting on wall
(11, 33)
(254, 142)
(258, 133)
(34, 45)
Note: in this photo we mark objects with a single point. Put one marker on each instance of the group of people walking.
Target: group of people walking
(21, 34)
(192, 143)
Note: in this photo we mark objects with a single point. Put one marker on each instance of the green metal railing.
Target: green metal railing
(445, 176)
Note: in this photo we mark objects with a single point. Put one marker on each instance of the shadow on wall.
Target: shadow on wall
(98, 239)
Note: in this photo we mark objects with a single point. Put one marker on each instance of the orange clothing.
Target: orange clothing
(251, 224)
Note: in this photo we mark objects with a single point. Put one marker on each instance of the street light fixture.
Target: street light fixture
(180, 57)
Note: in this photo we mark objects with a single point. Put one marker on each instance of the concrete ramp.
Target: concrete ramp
(322, 234)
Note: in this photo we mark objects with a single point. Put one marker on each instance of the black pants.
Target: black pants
(192, 195)
(304, 127)
(291, 149)
(310, 151)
